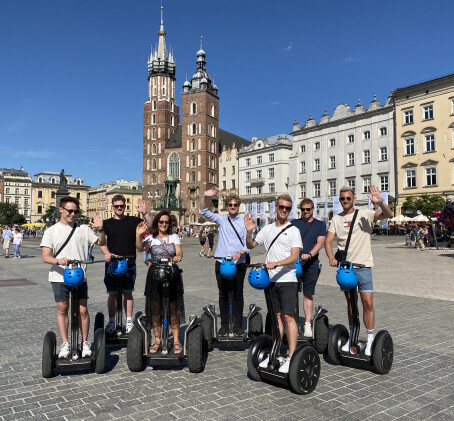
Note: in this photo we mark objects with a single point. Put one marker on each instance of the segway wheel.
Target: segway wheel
(258, 351)
(255, 326)
(134, 352)
(100, 350)
(383, 352)
(337, 338)
(321, 331)
(49, 354)
(99, 321)
(207, 325)
(196, 350)
(304, 370)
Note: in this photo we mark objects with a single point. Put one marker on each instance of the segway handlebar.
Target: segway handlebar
(119, 257)
(219, 257)
(162, 261)
(347, 263)
(76, 262)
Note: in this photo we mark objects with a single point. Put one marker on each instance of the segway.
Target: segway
(73, 277)
(304, 370)
(194, 346)
(117, 267)
(382, 347)
(319, 321)
(254, 322)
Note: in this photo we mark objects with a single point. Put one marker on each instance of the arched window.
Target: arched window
(148, 179)
(153, 133)
(153, 149)
(193, 176)
(212, 130)
(157, 192)
(197, 191)
(154, 179)
(148, 149)
(192, 218)
(193, 145)
(53, 180)
(174, 165)
(194, 128)
(153, 204)
(212, 110)
(78, 182)
(172, 121)
(193, 161)
(193, 108)
(148, 165)
(153, 164)
(189, 191)
(153, 119)
(154, 105)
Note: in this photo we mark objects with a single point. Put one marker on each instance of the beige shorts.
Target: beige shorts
(6, 244)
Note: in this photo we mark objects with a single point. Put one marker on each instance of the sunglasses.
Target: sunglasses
(343, 199)
(306, 209)
(71, 211)
(232, 205)
(118, 206)
(164, 222)
(286, 208)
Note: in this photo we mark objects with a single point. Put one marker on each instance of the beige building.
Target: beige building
(228, 175)
(424, 156)
(44, 192)
(17, 188)
(100, 198)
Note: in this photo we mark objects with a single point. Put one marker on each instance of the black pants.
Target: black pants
(237, 285)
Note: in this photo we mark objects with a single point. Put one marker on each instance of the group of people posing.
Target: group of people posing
(285, 242)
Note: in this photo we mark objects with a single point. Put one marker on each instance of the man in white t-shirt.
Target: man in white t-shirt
(76, 249)
(280, 262)
(359, 251)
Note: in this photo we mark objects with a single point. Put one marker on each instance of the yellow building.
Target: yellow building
(17, 188)
(100, 198)
(44, 192)
(425, 139)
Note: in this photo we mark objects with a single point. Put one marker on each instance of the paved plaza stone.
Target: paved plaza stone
(414, 301)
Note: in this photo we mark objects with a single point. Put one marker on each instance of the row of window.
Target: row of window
(271, 187)
(259, 159)
(430, 178)
(427, 113)
(16, 191)
(258, 174)
(224, 171)
(154, 105)
(193, 109)
(350, 160)
(429, 145)
(224, 184)
(153, 119)
(163, 86)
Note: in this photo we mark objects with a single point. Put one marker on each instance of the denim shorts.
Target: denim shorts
(364, 279)
(128, 280)
(61, 291)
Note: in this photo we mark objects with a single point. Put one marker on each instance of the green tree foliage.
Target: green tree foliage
(48, 214)
(10, 215)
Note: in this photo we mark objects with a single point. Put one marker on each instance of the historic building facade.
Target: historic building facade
(17, 188)
(185, 154)
(351, 147)
(228, 175)
(425, 139)
(264, 170)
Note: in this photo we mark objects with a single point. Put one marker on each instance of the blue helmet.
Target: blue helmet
(118, 267)
(259, 279)
(346, 278)
(299, 268)
(227, 269)
(73, 277)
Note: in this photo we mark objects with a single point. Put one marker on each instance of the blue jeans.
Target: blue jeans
(16, 250)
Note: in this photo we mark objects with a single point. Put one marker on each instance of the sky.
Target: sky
(73, 74)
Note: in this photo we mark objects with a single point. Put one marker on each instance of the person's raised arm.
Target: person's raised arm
(250, 225)
(375, 197)
(141, 228)
(98, 225)
(142, 209)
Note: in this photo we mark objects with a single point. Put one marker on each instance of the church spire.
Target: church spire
(162, 50)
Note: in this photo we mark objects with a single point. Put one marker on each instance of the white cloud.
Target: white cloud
(273, 102)
(351, 60)
(289, 46)
(29, 153)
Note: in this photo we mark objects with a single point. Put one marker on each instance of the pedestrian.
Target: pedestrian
(7, 236)
(231, 242)
(64, 241)
(210, 237)
(203, 240)
(313, 235)
(17, 242)
(282, 243)
(360, 224)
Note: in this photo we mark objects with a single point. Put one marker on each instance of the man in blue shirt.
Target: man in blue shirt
(230, 243)
(7, 235)
(313, 234)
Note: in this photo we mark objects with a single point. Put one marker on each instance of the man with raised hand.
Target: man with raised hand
(359, 251)
(282, 243)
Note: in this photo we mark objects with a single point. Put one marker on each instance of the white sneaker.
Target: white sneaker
(64, 350)
(110, 327)
(286, 366)
(264, 363)
(346, 347)
(129, 326)
(368, 351)
(307, 330)
(86, 349)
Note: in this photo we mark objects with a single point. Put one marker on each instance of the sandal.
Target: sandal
(177, 348)
(155, 347)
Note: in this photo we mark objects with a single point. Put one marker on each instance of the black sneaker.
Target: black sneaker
(223, 331)
(238, 331)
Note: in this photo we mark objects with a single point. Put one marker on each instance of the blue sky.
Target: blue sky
(73, 74)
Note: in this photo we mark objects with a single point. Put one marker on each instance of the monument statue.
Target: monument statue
(63, 189)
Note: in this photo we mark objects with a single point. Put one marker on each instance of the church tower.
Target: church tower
(160, 118)
(199, 137)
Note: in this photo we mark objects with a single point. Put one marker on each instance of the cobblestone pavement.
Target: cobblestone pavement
(414, 301)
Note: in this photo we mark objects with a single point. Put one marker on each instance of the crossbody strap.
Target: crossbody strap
(278, 234)
(67, 240)
(350, 233)
(236, 232)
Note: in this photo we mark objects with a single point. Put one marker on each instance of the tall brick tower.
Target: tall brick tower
(160, 119)
(199, 137)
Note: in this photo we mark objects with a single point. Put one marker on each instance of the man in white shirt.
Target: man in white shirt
(282, 242)
(76, 249)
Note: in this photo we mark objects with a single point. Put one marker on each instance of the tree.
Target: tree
(81, 218)
(48, 215)
(9, 214)
(427, 205)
